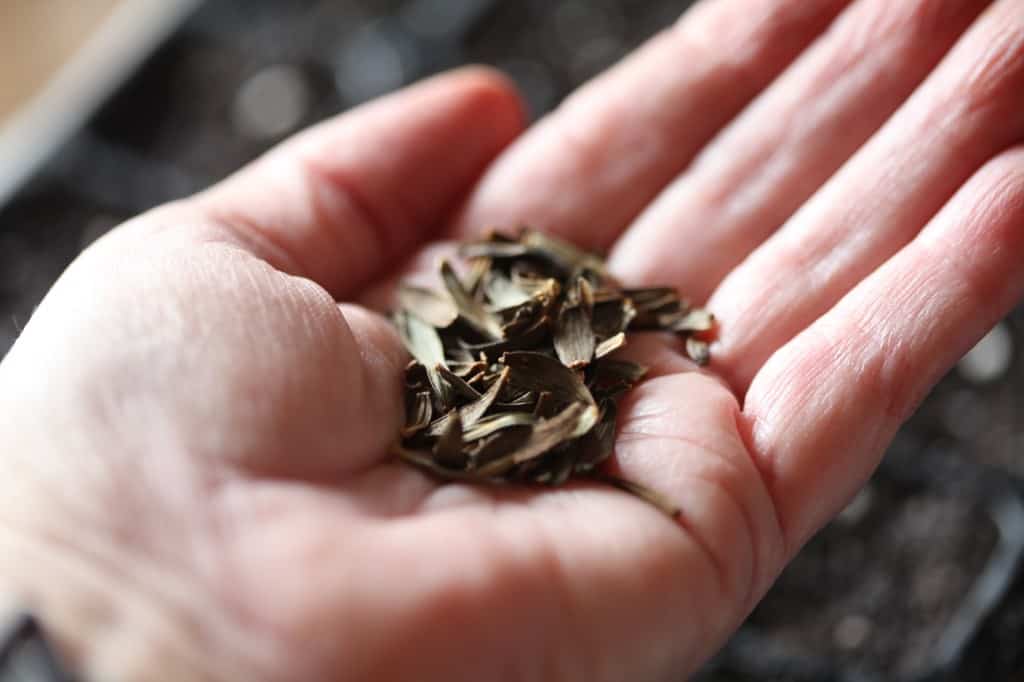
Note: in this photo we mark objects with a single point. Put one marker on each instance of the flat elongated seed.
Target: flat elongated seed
(610, 345)
(489, 425)
(448, 449)
(472, 412)
(538, 372)
(420, 338)
(427, 462)
(470, 309)
(431, 306)
(458, 384)
(574, 337)
(423, 343)
(528, 338)
(565, 254)
(418, 414)
(512, 379)
(596, 445)
(571, 423)
(503, 293)
(498, 445)
(612, 317)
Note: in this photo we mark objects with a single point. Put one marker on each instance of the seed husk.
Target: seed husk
(514, 377)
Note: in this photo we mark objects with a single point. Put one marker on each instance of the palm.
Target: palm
(333, 541)
(824, 241)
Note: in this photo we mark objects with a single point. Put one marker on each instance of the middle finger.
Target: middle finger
(587, 169)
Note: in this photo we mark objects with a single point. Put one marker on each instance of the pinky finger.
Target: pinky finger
(824, 408)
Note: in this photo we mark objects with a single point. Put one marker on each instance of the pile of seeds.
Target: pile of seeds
(513, 378)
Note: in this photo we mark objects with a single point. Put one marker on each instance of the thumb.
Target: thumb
(157, 345)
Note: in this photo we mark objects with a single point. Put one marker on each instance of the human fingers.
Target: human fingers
(341, 202)
(587, 169)
(825, 406)
(755, 174)
(964, 114)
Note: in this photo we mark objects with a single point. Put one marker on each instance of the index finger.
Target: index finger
(589, 168)
(342, 201)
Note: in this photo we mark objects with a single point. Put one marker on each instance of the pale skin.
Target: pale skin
(196, 474)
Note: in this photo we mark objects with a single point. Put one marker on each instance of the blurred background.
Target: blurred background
(109, 107)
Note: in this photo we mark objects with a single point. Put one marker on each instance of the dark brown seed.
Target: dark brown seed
(511, 379)
(571, 423)
(528, 338)
(488, 425)
(418, 414)
(423, 343)
(574, 337)
(498, 444)
(612, 317)
(545, 406)
(425, 460)
(470, 309)
(457, 383)
(472, 413)
(596, 446)
(564, 254)
(561, 465)
(538, 372)
(448, 449)
(610, 377)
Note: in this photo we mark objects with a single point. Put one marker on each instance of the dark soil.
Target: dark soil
(878, 593)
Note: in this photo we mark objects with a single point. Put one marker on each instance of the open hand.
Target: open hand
(197, 481)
